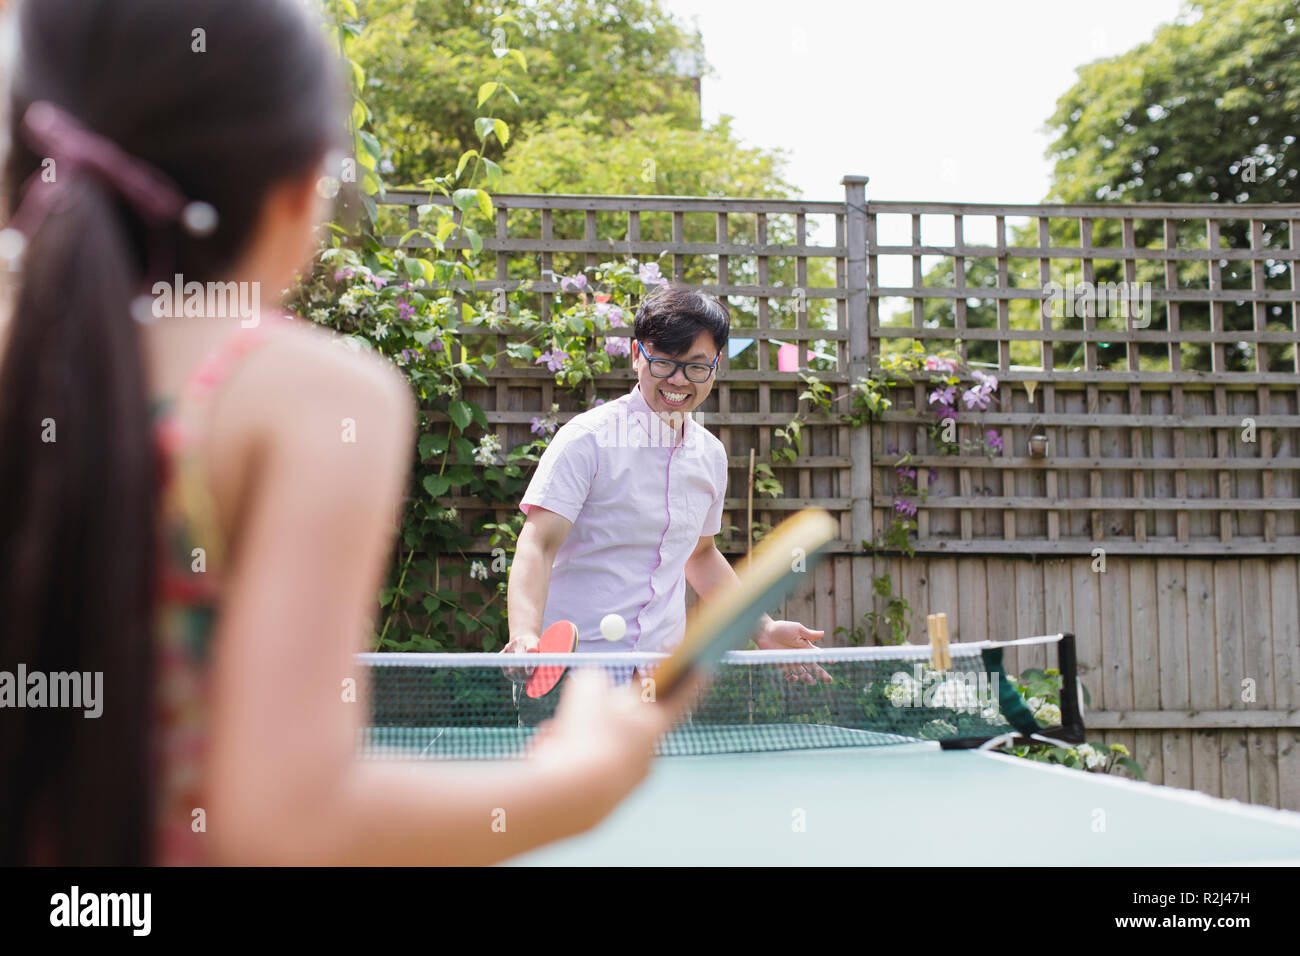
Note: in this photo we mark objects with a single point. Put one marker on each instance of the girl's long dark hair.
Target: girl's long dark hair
(228, 98)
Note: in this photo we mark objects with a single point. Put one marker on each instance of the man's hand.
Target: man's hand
(791, 635)
(521, 644)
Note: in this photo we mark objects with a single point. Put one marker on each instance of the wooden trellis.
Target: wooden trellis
(1171, 443)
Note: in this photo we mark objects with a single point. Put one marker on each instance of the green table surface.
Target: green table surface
(908, 804)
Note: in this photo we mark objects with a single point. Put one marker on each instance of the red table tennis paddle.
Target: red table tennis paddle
(560, 638)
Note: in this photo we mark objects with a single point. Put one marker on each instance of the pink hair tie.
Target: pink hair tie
(55, 133)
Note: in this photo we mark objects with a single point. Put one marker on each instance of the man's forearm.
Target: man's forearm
(709, 570)
(530, 580)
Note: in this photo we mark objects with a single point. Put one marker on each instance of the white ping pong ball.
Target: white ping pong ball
(613, 627)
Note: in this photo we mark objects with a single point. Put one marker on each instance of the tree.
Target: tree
(1206, 111)
(618, 60)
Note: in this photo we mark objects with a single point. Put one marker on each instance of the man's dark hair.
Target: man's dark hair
(671, 318)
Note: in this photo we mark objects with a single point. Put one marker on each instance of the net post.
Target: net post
(1072, 729)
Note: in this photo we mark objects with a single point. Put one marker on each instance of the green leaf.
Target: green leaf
(436, 485)
(485, 93)
(445, 229)
(484, 203)
(1132, 766)
(464, 199)
(494, 172)
(431, 445)
(371, 144)
(500, 126)
(464, 448)
(465, 157)
(480, 416)
(518, 57)
(483, 127)
(475, 240)
(367, 159)
(360, 115)
(461, 413)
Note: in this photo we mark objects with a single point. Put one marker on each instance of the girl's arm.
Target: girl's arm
(311, 544)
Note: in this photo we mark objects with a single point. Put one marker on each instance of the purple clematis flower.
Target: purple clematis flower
(553, 360)
(610, 313)
(945, 396)
(650, 274)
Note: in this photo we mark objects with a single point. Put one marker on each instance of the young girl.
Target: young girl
(179, 510)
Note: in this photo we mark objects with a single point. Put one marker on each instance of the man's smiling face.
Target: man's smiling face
(674, 396)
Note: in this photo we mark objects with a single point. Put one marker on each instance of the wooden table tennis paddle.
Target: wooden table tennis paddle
(560, 638)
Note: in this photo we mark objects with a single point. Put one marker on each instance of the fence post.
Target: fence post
(856, 285)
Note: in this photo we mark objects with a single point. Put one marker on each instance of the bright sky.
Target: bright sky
(933, 99)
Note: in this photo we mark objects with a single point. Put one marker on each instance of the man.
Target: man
(626, 500)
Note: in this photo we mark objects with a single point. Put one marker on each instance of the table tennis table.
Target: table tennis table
(768, 772)
(916, 805)
(893, 803)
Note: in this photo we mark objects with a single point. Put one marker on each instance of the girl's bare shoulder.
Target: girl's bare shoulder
(304, 376)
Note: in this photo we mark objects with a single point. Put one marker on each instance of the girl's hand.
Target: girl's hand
(602, 737)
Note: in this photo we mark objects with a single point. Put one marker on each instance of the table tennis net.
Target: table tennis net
(477, 706)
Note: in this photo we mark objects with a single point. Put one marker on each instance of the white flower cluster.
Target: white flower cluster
(1090, 757)
(489, 447)
(1044, 712)
(478, 571)
(901, 690)
(352, 301)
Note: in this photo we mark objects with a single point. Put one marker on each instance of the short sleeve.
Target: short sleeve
(713, 520)
(563, 477)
